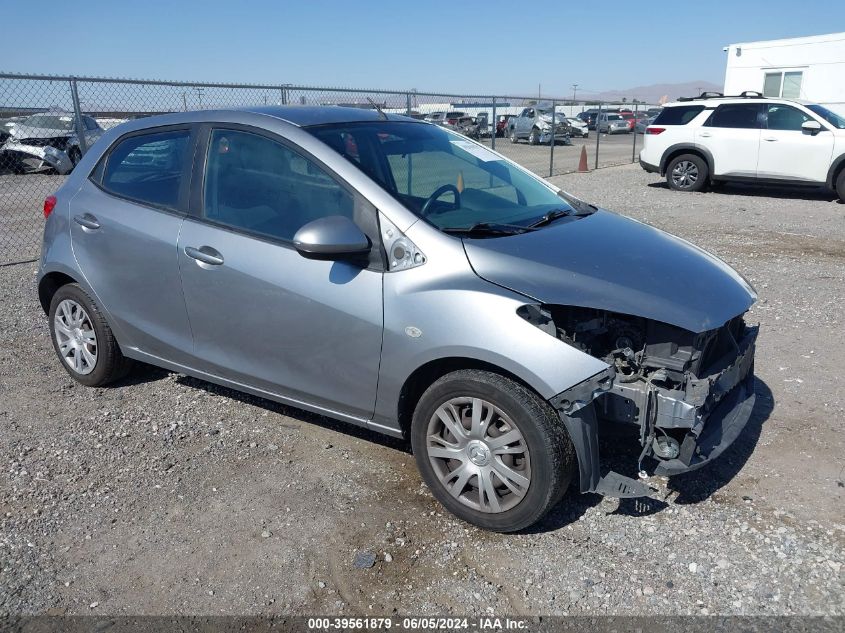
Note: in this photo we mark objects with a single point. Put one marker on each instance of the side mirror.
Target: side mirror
(334, 237)
(811, 127)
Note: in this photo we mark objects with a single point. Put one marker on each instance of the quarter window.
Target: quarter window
(258, 185)
(735, 115)
(678, 115)
(784, 117)
(148, 168)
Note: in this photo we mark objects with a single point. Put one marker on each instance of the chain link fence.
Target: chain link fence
(47, 123)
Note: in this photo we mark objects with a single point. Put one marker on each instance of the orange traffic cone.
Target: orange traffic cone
(582, 164)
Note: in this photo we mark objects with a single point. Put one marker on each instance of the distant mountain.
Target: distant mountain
(655, 93)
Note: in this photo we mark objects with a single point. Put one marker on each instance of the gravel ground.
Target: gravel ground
(166, 495)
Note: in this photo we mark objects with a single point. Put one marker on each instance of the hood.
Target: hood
(610, 262)
(27, 131)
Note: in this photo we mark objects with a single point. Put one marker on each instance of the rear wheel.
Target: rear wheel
(83, 340)
(840, 185)
(687, 172)
(492, 451)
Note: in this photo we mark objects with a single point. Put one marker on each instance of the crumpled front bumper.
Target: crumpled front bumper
(711, 412)
(35, 158)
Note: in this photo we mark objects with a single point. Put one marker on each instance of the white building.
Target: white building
(811, 68)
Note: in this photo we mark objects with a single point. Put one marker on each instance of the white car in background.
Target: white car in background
(577, 127)
(746, 138)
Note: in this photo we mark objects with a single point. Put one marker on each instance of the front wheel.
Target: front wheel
(534, 137)
(492, 451)
(840, 185)
(514, 139)
(687, 172)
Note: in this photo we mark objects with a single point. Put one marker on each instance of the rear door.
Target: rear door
(261, 314)
(732, 135)
(125, 223)
(789, 153)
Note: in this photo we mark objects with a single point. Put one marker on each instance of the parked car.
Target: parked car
(748, 138)
(502, 124)
(577, 127)
(535, 125)
(497, 322)
(589, 117)
(469, 126)
(612, 123)
(46, 141)
(642, 124)
(653, 112)
(629, 117)
(435, 117)
(458, 123)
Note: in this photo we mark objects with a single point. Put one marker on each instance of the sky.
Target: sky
(460, 46)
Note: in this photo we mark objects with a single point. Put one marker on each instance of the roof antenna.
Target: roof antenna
(377, 107)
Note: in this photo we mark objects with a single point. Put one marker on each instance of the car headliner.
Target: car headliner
(305, 116)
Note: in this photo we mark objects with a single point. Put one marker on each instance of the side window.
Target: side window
(148, 168)
(784, 117)
(735, 115)
(258, 185)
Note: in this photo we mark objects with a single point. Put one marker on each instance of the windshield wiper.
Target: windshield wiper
(488, 228)
(550, 217)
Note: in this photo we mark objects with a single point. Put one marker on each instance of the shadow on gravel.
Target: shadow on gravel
(763, 191)
(700, 484)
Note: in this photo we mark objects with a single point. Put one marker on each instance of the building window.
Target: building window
(783, 84)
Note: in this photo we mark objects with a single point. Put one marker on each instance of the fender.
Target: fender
(708, 156)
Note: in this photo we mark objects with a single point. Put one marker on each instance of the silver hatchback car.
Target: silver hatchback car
(401, 277)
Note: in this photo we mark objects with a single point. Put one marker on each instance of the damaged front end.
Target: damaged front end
(689, 394)
(32, 155)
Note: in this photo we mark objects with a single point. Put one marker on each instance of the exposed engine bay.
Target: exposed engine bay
(668, 381)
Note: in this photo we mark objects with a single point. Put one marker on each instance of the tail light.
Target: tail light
(655, 130)
(452, 121)
(49, 205)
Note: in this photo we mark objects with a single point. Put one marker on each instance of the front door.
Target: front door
(261, 314)
(787, 152)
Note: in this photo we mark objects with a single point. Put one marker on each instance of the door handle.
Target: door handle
(204, 254)
(770, 139)
(87, 221)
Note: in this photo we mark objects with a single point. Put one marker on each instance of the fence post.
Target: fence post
(634, 150)
(77, 118)
(495, 123)
(598, 136)
(408, 104)
(552, 142)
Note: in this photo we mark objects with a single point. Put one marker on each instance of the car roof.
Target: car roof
(305, 116)
(715, 101)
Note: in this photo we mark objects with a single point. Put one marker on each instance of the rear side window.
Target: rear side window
(148, 168)
(679, 115)
(736, 115)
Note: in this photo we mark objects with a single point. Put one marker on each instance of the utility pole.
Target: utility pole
(574, 92)
(539, 90)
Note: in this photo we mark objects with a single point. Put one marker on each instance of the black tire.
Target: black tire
(110, 363)
(534, 137)
(75, 155)
(513, 137)
(551, 454)
(693, 173)
(840, 185)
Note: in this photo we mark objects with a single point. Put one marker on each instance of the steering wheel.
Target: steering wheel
(439, 192)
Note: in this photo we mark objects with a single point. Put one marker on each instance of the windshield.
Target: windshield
(446, 178)
(49, 121)
(831, 117)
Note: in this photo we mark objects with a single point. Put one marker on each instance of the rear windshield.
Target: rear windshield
(679, 115)
(613, 117)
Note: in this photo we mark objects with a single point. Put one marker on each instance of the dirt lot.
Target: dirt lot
(164, 494)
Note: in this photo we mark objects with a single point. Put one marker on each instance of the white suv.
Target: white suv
(695, 142)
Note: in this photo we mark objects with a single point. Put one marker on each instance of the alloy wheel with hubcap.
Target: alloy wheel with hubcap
(491, 450)
(76, 339)
(479, 454)
(685, 174)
